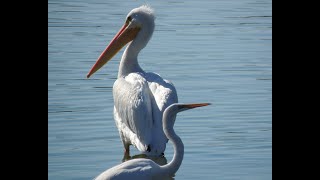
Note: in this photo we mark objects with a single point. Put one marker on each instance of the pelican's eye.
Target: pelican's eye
(129, 19)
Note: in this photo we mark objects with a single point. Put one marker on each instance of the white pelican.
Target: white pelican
(139, 97)
(146, 168)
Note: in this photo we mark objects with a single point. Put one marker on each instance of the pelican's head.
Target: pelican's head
(139, 26)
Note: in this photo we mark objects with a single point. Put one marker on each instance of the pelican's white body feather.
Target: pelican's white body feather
(139, 101)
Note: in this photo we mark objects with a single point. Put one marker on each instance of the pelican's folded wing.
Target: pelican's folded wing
(133, 113)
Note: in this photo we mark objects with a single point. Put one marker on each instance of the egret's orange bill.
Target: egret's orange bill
(195, 105)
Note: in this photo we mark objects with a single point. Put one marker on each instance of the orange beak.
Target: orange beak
(125, 35)
(190, 106)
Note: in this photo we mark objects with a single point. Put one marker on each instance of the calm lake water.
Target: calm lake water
(216, 51)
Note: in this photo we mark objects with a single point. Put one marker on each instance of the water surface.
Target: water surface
(213, 51)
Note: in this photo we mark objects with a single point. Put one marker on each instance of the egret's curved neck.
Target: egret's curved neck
(129, 61)
(173, 166)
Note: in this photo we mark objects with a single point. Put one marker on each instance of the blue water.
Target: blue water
(216, 51)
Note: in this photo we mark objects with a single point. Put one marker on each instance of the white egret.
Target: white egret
(146, 169)
(139, 97)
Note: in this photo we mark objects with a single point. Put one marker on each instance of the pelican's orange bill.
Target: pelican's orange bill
(124, 36)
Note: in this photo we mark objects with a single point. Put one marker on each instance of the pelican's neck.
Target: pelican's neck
(129, 61)
(172, 167)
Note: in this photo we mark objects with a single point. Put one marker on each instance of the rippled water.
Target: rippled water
(214, 51)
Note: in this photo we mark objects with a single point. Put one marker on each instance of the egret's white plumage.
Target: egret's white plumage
(140, 97)
(146, 169)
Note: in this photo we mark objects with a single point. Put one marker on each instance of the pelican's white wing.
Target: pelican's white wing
(164, 94)
(133, 110)
(140, 100)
